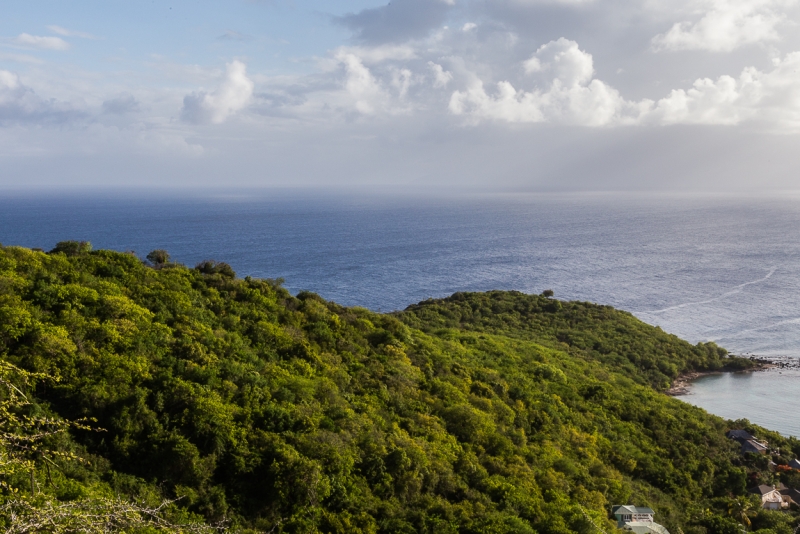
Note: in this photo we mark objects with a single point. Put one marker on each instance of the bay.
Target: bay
(767, 398)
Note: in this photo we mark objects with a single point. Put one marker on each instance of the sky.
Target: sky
(511, 95)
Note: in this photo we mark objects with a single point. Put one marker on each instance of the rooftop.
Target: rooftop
(739, 435)
(763, 489)
(646, 528)
(752, 445)
(629, 509)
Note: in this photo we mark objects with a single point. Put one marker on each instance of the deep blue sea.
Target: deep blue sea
(721, 268)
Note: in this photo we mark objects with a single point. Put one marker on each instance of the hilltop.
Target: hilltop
(481, 412)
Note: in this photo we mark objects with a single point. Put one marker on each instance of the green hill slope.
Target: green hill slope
(480, 413)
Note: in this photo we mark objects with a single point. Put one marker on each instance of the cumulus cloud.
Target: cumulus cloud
(571, 95)
(771, 98)
(727, 25)
(233, 94)
(440, 76)
(365, 91)
(19, 103)
(14, 96)
(43, 43)
(397, 21)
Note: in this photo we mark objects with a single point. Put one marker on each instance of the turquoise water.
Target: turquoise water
(767, 398)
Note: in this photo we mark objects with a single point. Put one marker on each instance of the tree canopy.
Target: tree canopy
(483, 412)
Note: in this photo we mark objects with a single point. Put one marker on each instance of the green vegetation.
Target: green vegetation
(481, 413)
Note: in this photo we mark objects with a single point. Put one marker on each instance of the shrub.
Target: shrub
(72, 248)
(158, 257)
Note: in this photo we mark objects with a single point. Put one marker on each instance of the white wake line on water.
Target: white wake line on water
(796, 320)
(734, 291)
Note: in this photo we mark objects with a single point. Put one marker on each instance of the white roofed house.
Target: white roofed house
(637, 519)
(771, 498)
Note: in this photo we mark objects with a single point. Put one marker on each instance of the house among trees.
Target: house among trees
(637, 519)
(795, 464)
(739, 435)
(790, 495)
(748, 441)
(755, 447)
(771, 498)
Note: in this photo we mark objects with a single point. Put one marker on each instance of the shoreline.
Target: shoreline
(682, 385)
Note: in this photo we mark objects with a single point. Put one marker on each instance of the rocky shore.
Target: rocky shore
(682, 384)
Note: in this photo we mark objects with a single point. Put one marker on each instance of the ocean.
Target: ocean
(706, 268)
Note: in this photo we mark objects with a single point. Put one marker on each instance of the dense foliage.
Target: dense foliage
(480, 413)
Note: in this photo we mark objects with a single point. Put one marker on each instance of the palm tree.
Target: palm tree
(740, 509)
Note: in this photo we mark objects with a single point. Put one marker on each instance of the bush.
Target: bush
(216, 267)
(158, 257)
(72, 248)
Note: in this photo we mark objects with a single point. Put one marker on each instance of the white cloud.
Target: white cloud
(769, 98)
(727, 25)
(362, 87)
(566, 62)
(571, 96)
(233, 94)
(566, 91)
(534, 64)
(69, 33)
(469, 26)
(402, 80)
(560, 87)
(378, 54)
(19, 103)
(11, 89)
(440, 76)
(43, 43)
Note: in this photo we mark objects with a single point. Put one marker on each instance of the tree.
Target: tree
(25, 449)
(72, 248)
(216, 267)
(548, 293)
(158, 257)
(740, 509)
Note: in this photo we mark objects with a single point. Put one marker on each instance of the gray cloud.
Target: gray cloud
(20, 104)
(120, 105)
(399, 20)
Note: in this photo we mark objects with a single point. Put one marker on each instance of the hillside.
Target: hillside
(480, 413)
